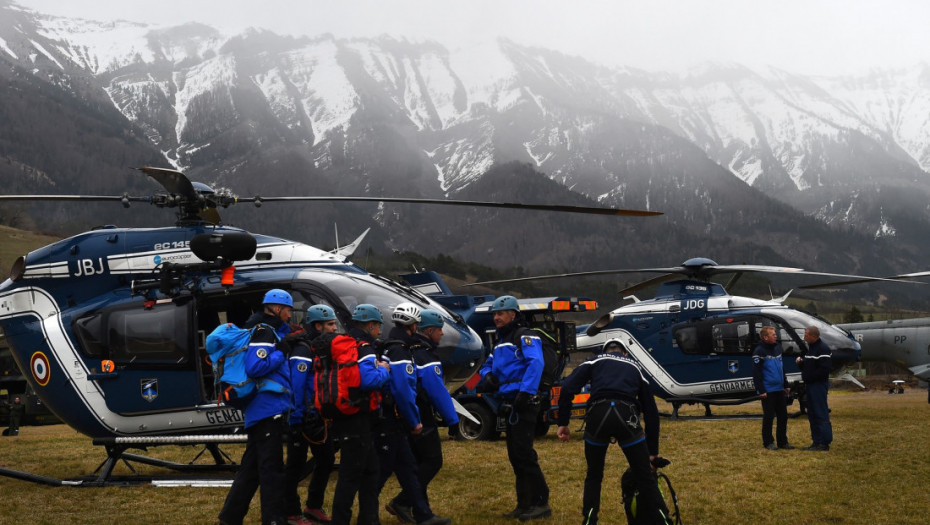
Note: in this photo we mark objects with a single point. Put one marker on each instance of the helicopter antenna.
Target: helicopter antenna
(336, 228)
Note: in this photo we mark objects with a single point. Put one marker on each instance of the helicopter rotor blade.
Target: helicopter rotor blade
(125, 199)
(174, 181)
(647, 283)
(703, 269)
(510, 205)
(903, 278)
(575, 274)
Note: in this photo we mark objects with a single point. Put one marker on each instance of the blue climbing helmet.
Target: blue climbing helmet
(278, 296)
(429, 318)
(320, 313)
(364, 313)
(505, 302)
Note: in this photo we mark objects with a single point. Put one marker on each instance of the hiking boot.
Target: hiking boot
(817, 448)
(786, 446)
(298, 520)
(535, 513)
(317, 516)
(771, 446)
(436, 520)
(401, 512)
(515, 513)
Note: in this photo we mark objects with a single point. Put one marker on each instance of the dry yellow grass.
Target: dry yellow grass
(874, 474)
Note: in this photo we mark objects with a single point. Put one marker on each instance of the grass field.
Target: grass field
(875, 473)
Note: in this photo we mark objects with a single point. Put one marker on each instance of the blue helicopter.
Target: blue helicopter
(108, 326)
(696, 340)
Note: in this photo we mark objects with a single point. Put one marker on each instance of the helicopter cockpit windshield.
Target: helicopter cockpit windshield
(838, 340)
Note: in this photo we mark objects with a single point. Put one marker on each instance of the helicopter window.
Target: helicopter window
(304, 300)
(90, 332)
(687, 339)
(717, 336)
(732, 337)
(132, 335)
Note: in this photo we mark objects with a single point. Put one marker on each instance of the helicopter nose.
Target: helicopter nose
(461, 353)
(846, 354)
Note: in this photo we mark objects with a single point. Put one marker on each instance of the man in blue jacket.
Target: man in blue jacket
(768, 373)
(514, 369)
(265, 417)
(619, 393)
(308, 429)
(816, 366)
(431, 396)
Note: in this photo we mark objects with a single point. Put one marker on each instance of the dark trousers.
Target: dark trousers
(427, 449)
(262, 465)
(818, 413)
(358, 471)
(532, 490)
(324, 457)
(775, 406)
(616, 420)
(397, 458)
(649, 503)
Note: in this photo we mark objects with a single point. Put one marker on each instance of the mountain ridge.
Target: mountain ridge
(729, 154)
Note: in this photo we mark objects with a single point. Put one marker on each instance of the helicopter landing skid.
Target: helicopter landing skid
(117, 447)
(709, 415)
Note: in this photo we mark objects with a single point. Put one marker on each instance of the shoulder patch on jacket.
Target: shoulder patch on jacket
(261, 353)
(527, 340)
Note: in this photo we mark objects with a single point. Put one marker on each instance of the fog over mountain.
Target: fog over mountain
(749, 165)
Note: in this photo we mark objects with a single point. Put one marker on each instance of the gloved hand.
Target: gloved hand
(660, 462)
(314, 428)
(488, 384)
(522, 401)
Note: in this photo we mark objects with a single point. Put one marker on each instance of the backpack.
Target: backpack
(553, 357)
(226, 346)
(336, 376)
(634, 515)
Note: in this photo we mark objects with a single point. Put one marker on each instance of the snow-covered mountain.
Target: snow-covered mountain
(388, 113)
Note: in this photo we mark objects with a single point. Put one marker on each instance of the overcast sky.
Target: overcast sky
(801, 36)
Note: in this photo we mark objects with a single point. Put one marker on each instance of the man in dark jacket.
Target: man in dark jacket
(768, 373)
(401, 417)
(17, 409)
(432, 396)
(815, 372)
(265, 417)
(619, 393)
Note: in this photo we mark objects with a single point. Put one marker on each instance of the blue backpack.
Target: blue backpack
(226, 346)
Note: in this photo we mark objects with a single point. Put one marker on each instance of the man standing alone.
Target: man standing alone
(815, 372)
(514, 369)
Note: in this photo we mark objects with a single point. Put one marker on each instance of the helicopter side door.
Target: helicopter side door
(142, 354)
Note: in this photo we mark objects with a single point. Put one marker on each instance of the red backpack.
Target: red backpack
(337, 380)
